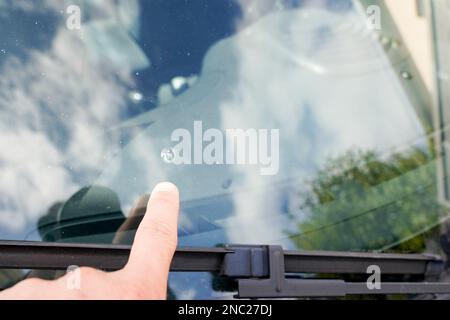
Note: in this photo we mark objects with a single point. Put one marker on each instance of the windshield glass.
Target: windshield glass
(302, 123)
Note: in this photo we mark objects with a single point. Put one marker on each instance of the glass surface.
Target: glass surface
(87, 116)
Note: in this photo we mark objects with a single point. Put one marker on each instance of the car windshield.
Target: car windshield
(309, 124)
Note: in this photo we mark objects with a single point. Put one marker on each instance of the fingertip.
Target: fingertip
(165, 187)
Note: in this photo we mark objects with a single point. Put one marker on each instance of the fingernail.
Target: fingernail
(165, 187)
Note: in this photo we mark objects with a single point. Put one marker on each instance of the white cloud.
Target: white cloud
(55, 105)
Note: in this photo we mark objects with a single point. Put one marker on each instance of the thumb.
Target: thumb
(156, 237)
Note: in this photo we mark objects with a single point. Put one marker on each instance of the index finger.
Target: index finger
(156, 237)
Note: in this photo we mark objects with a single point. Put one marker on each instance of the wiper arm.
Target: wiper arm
(260, 271)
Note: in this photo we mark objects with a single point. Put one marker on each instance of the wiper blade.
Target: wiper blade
(59, 256)
(260, 271)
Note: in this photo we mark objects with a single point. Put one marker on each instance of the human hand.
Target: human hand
(145, 274)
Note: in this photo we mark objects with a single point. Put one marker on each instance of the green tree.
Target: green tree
(360, 201)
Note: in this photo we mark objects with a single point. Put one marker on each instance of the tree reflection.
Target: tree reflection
(361, 201)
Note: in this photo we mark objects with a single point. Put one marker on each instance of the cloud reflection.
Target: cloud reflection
(56, 105)
(315, 74)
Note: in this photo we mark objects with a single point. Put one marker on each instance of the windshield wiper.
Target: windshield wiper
(260, 271)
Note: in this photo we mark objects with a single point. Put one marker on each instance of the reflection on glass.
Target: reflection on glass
(87, 117)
